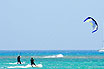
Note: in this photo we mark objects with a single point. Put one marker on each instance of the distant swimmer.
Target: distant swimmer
(32, 61)
(18, 60)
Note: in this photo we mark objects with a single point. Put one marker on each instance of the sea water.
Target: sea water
(52, 59)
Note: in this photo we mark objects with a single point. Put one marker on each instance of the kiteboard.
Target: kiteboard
(21, 63)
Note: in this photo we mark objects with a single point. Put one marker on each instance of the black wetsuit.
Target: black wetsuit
(32, 62)
(18, 60)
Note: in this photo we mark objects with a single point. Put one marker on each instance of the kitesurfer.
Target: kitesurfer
(18, 60)
(32, 61)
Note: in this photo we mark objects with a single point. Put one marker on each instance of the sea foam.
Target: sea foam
(16, 63)
(54, 56)
(27, 66)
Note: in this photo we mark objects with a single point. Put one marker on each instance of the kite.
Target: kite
(93, 23)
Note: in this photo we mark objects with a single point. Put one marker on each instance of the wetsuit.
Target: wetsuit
(32, 62)
(18, 60)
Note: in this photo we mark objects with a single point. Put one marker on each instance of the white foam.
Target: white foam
(13, 63)
(27, 66)
(54, 56)
(2, 67)
(59, 55)
(16, 63)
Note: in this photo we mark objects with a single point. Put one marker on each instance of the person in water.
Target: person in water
(32, 61)
(18, 60)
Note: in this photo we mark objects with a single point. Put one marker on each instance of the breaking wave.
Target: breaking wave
(54, 56)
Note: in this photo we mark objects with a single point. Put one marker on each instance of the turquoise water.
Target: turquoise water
(54, 59)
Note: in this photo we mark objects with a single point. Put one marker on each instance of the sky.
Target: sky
(50, 24)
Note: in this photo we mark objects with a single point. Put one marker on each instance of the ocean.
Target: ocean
(52, 59)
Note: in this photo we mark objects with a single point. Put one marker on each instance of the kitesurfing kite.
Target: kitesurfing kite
(93, 23)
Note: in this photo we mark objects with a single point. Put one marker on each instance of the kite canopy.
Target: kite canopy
(93, 23)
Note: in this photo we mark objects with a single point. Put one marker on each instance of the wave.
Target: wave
(54, 56)
(16, 63)
(27, 66)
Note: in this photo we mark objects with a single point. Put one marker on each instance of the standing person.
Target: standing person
(18, 60)
(32, 61)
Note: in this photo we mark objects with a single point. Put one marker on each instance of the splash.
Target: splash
(16, 63)
(27, 66)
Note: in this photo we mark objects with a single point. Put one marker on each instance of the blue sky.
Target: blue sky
(50, 24)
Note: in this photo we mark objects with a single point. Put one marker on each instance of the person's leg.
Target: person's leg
(34, 64)
(31, 64)
(20, 62)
